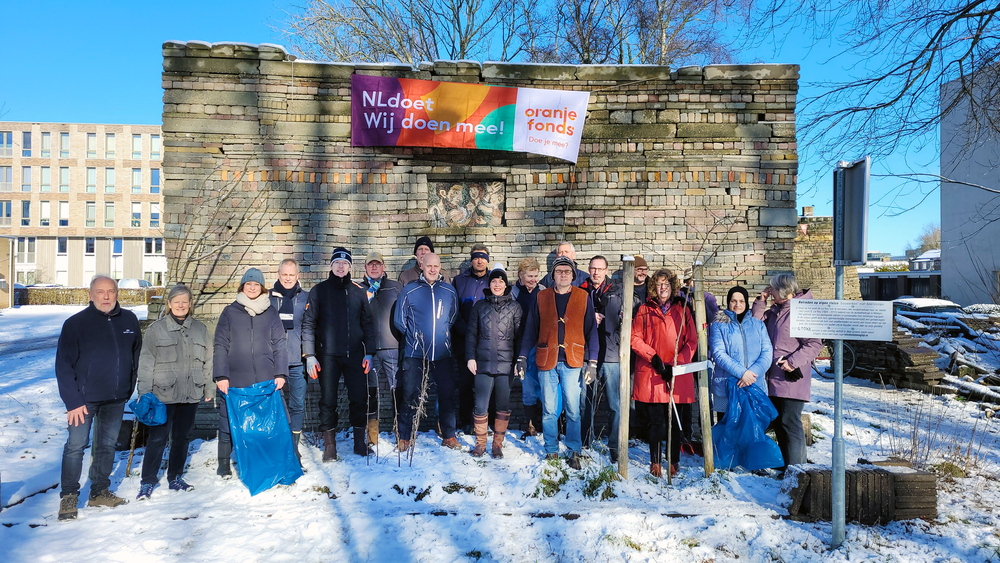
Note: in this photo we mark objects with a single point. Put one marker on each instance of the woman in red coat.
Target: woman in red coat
(663, 335)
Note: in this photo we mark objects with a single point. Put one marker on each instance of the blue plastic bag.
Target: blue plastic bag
(262, 439)
(739, 440)
(149, 410)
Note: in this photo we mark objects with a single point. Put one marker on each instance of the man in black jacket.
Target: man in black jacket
(382, 293)
(289, 301)
(469, 286)
(338, 338)
(96, 367)
(607, 296)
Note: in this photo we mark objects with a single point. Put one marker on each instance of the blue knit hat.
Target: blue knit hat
(252, 275)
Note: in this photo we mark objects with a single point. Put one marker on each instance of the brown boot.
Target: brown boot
(499, 431)
(402, 445)
(451, 443)
(373, 431)
(534, 414)
(329, 445)
(480, 423)
(655, 470)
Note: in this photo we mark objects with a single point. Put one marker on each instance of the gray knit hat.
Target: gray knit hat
(252, 275)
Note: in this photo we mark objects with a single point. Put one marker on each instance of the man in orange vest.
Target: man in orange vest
(561, 327)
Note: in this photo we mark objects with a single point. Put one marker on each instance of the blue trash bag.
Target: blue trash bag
(149, 410)
(262, 439)
(739, 440)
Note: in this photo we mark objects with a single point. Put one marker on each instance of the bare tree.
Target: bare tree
(929, 239)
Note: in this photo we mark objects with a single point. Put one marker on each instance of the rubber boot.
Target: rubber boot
(499, 432)
(361, 441)
(480, 423)
(373, 431)
(296, 437)
(329, 445)
(225, 452)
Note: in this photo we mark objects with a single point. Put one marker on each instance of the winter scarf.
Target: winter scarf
(287, 309)
(256, 306)
(373, 286)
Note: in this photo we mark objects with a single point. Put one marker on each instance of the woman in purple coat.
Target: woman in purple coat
(789, 377)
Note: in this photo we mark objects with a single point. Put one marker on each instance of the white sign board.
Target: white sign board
(689, 368)
(841, 320)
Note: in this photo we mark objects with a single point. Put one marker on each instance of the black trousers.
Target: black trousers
(443, 373)
(180, 421)
(356, 381)
(659, 415)
(496, 385)
(466, 384)
(789, 431)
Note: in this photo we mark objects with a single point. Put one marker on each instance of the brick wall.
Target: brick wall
(813, 260)
(674, 165)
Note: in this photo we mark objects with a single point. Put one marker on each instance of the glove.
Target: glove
(658, 364)
(590, 373)
(521, 366)
(312, 366)
(366, 362)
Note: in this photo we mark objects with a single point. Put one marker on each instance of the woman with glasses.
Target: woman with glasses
(663, 335)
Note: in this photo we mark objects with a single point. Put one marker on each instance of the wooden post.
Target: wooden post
(703, 390)
(625, 358)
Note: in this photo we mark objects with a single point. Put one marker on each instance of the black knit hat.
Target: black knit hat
(423, 241)
(498, 273)
(341, 253)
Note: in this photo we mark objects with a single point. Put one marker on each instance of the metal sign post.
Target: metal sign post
(850, 233)
(624, 359)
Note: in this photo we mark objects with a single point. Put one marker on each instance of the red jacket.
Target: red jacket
(656, 334)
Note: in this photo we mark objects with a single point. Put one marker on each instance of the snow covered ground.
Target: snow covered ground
(451, 507)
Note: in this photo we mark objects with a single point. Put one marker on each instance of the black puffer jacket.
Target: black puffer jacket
(338, 320)
(494, 332)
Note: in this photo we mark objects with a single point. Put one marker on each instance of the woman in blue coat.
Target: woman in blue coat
(740, 348)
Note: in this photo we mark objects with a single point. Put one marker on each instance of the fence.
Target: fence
(78, 296)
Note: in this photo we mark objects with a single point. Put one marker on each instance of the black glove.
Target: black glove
(590, 373)
(794, 375)
(521, 366)
(665, 370)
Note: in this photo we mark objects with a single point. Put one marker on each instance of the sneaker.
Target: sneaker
(106, 498)
(67, 507)
(178, 484)
(145, 491)
(574, 461)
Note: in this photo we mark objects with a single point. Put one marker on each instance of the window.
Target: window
(45, 178)
(61, 244)
(154, 278)
(117, 247)
(26, 144)
(6, 143)
(88, 246)
(109, 180)
(91, 180)
(63, 179)
(6, 180)
(109, 146)
(154, 181)
(137, 180)
(25, 213)
(25, 178)
(136, 214)
(91, 145)
(154, 214)
(63, 145)
(154, 246)
(136, 147)
(90, 218)
(63, 213)
(154, 147)
(4, 213)
(109, 214)
(44, 213)
(46, 145)
(25, 250)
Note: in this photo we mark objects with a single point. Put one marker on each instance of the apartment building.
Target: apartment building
(81, 199)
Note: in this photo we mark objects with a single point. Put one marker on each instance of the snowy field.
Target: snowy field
(451, 507)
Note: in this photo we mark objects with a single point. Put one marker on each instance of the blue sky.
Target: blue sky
(70, 62)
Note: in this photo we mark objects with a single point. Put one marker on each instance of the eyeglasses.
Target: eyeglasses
(563, 272)
(594, 269)
(641, 269)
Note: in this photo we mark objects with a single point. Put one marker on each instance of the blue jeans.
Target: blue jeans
(608, 378)
(531, 390)
(106, 420)
(571, 381)
(295, 396)
(385, 364)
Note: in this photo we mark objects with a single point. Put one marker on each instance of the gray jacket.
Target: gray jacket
(294, 336)
(175, 362)
(383, 305)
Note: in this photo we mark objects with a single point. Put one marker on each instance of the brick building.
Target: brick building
(81, 199)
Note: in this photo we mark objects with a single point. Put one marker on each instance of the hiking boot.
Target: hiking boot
(402, 445)
(179, 484)
(480, 425)
(224, 469)
(499, 432)
(361, 446)
(373, 431)
(106, 498)
(531, 431)
(574, 461)
(67, 507)
(674, 468)
(329, 445)
(145, 491)
(451, 443)
(655, 470)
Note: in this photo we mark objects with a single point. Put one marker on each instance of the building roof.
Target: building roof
(933, 254)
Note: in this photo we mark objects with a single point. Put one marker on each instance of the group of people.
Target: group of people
(470, 334)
